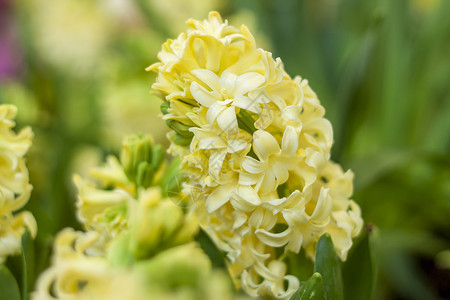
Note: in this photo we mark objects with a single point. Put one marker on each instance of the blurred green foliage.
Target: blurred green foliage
(381, 69)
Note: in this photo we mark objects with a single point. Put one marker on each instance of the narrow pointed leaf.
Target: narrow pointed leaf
(8, 285)
(27, 264)
(359, 271)
(312, 289)
(329, 266)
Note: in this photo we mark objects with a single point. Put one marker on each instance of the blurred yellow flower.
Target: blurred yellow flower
(255, 147)
(113, 191)
(76, 265)
(15, 188)
(78, 273)
(138, 244)
(158, 223)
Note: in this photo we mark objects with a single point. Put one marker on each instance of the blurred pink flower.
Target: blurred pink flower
(10, 54)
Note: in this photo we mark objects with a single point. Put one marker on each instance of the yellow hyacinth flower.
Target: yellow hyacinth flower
(138, 243)
(15, 188)
(255, 148)
(105, 210)
(119, 192)
(151, 256)
(78, 273)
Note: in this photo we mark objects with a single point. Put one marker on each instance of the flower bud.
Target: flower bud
(140, 159)
(158, 224)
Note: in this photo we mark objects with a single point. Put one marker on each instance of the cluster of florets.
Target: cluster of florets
(255, 149)
(15, 188)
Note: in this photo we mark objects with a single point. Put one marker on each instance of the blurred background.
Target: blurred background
(75, 69)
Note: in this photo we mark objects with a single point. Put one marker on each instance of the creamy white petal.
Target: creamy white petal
(216, 162)
(295, 217)
(219, 197)
(264, 144)
(214, 111)
(289, 144)
(239, 219)
(323, 207)
(256, 218)
(208, 77)
(292, 112)
(252, 165)
(269, 183)
(248, 82)
(321, 128)
(281, 172)
(228, 81)
(295, 242)
(245, 199)
(249, 179)
(247, 104)
(227, 121)
(274, 239)
(204, 97)
(211, 142)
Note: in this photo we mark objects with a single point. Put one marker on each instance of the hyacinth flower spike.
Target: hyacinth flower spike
(255, 149)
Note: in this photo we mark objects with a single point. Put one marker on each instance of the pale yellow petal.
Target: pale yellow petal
(219, 197)
(274, 239)
(208, 77)
(253, 166)
(248, 82)
(264, 144)
(245, 199)
(202, 96)
(214, 111)
(227, 121)
(289, 144)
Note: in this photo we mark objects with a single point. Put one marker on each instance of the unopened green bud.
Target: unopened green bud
(164, 107)
(144, 174)
(140, 159)
(159, 224)
(180, 128)
(180, 140)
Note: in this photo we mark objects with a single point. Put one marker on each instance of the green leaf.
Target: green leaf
(8, 285)
(27, 257)
(312, 289)
(214, 254)
(329, 266)
(360, 270)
